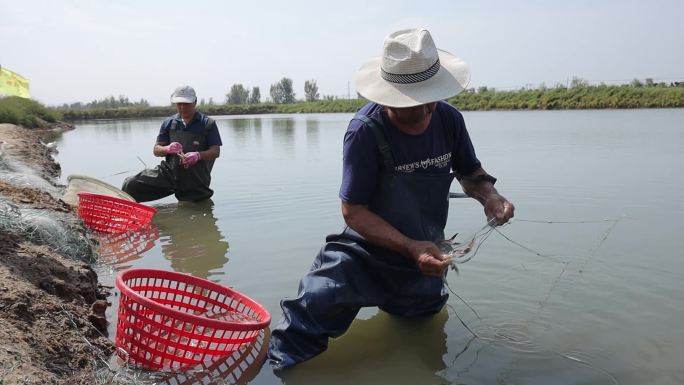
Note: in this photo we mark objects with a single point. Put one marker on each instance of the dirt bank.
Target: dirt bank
(51, 307)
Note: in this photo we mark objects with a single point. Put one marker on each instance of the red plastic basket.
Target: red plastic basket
(107, 214)
(175, 321)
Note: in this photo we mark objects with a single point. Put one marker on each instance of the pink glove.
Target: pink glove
(174, 148)
(191, 158)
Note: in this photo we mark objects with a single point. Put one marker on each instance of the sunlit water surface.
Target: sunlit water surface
(594, 297)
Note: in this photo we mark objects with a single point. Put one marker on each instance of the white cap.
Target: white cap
(184, 94)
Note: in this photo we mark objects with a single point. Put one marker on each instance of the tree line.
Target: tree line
(576, 94)
(108, 102)
(281, 92)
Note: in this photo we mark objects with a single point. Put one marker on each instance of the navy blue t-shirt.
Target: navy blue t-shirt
(427, 152)
(196, 125)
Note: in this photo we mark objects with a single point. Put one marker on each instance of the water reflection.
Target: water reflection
(240, 367)
(122, 249)
(312, 135)
(286, 125)
(383, 349)
(312, 126)
(284, 131)
(243, 130)
(240, 125)
(240, 129)
(190, 238)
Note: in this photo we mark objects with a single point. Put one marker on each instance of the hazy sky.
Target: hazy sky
(81, 50)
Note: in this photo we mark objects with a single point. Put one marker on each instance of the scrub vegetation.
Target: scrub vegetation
(579, 96)
(26, 112)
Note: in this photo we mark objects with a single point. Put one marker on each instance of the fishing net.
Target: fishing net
(21, 175)
(27, 179)
(463, 249)
(57, 230)
(566, 252)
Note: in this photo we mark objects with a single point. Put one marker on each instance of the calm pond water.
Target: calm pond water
(584, 286)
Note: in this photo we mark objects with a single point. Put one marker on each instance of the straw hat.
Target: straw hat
(411, 72)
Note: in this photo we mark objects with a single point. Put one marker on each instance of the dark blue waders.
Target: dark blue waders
(170, 177)
(350, 273)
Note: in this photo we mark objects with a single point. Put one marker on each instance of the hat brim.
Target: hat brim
(180, 99)
(452, 78)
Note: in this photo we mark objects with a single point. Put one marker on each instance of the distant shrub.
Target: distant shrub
(580, 96)
(26, 112)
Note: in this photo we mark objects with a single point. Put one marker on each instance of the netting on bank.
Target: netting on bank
(21, 175)
(57, 230)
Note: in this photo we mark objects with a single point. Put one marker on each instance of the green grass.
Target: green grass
(574, 98)
(26, 112)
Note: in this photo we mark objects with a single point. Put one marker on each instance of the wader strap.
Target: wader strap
(383, 146)
(174, 125)
(209, 122)
(449, 125)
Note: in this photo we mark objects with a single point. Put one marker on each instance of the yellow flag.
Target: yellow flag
(12, 83)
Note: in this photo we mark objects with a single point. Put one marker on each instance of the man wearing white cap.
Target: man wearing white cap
(189, 141)
(401, 153)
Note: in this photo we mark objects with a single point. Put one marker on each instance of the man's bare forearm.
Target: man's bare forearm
(375, 229)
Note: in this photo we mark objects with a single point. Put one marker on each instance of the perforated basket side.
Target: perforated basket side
(174, 320)
(107, 214)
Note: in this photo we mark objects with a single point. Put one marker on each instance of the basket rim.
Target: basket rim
(90, 180)
(132, 273)
(117, 200)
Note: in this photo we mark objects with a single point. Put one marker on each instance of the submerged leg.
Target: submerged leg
(150, 184)
(419, 296)
(330, 295)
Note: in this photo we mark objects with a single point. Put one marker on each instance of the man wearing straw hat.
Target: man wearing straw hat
(401, 153)
(189, 141)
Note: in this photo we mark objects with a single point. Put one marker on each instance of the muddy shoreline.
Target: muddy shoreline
(52, 309)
